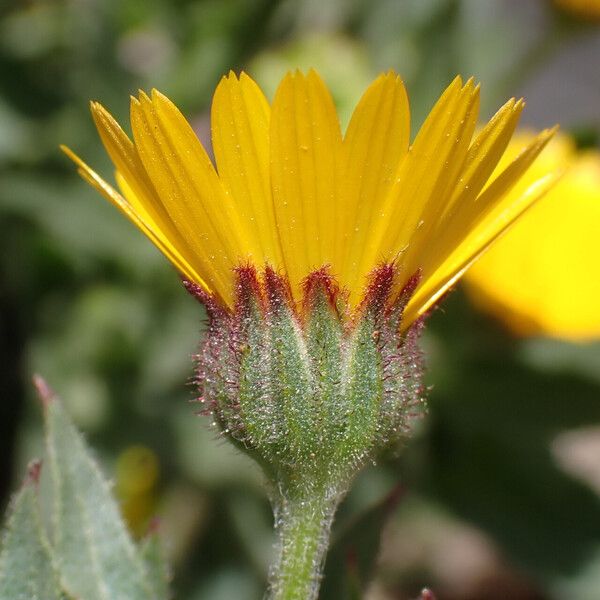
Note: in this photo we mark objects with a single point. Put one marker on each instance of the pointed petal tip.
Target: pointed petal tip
(158, 97)
(97, 109)
(519, 105)
(73, 157)
(508, 107)
(66, 150)
(143, 96)
(245, 78)
(284, 84)
(470, 88)
(456, 82)
(314, 75)
(545, 136)
(391, 78)
(102, 118)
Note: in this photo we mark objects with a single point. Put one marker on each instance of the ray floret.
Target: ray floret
(291, 191)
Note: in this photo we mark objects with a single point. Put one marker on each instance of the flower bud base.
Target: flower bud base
(312, 391)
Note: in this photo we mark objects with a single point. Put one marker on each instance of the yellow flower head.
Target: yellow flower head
(290, 191)
(543, 277)
(586, 9)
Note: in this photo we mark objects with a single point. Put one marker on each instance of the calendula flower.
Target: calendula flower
(315, 254)
(290, 191)
(587, 9)
(543, 277)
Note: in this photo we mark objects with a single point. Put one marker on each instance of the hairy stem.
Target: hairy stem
(303, 526)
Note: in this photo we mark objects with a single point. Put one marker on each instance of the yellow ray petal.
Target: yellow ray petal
(455, 149)
(543, 276)
(305, 149)
(485, 153)
(375, 142)
(128, 164)
(371, 252)
(482, 158)
(476, 243)
(469, 214)
(450, 162)
(464, 235)
(188, 186)
(122, 152)
(219, 207)
(421, 172)
(240, 119)
(292, 193)
(137, 218)
(164, 243)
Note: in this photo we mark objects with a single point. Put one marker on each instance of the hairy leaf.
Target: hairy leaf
(26, 568)
(94, 553)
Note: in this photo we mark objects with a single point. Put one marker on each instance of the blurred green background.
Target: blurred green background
(496, 497)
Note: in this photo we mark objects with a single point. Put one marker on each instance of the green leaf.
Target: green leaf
(152, 553)
(26, 568)
(93, 551)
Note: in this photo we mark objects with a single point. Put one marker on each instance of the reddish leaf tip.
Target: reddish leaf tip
(44, 391)
(34, 470)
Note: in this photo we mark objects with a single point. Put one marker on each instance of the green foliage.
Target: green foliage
(157, 571)
(92, 549)
(90, 554)
(27, 569)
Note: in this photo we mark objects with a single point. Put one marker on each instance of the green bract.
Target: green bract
(312, 392)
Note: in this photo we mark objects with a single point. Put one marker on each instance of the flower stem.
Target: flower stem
(303, 526)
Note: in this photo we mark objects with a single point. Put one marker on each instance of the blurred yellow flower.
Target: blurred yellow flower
(582, 8)
(543, 276)
(289, 190)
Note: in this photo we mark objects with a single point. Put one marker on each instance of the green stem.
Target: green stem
(303, 527)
